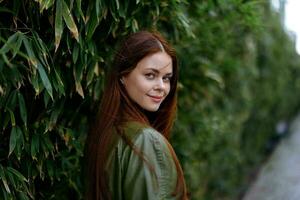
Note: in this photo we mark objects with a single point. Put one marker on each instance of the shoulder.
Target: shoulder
(150, 163)
(141, 134)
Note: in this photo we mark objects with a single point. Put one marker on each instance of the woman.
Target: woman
(129, 156)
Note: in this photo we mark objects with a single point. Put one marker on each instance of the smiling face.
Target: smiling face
(148, 83)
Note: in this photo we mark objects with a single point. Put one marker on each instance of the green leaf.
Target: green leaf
(12, 117)
(117, 4)
(75, 53)
(31, 59)
(35, 146)
(3, 178)
(17, 174)
(45, 80)
(55, 114)
(45, 4)
(12, 100)
(19, 144)
(46, 98)
(42, 49)
(69, 20)
(91, 72)
(46, 145)
(59, 83)
(23, 196)
(14, 137)
(9, 44)
(58, 23)
(11, 179)
(78, 4)
(22, 106)
(92, 24)
(35, 84)
(50, 168)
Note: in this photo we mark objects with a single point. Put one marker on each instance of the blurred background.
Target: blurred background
(238, 87)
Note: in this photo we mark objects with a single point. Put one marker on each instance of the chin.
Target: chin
(152, 109)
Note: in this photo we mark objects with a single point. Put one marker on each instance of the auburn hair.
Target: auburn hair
(116, 107)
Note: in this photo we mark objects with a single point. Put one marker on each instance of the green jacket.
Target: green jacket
(146, 172)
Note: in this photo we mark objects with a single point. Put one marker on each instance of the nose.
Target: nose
(160, 85)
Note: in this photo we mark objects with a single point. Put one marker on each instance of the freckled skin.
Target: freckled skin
(149, 83)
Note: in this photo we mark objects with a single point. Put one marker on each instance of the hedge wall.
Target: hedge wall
(238, 77)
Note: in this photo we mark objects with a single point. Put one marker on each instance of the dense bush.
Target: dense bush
(239, 73)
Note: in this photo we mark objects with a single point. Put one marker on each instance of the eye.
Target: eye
(150, 76)
(167, 78)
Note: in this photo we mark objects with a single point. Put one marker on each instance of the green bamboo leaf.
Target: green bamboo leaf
(13, 139)
(75, 53)
(3, 178)
(54, 115)
(17, 44)
(135, 25)
(79, 89)
(92, 25)
(91, 72)
(23, 196)
(77, 72)
(117, 4)
(19, 144)
(31, 59)
(12, 100)
(69, 20)
(9, 43)
(11, 179)
(3, 9)
(45, 80)
(35, 146)
(59, 83)
(22, 105)
(5, 120)
(46, 98)
(98, 9)
(12, 118)
(6, 60)
(17, 174)
(45, 4)
(35, 84)
(78, 4)
(50, 168)
(59, 27)
(48, 144)
(42, 49)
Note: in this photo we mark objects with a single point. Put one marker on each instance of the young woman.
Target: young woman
(129, 156)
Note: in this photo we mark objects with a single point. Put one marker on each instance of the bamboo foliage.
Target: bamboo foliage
(235, 72)
(51, 75)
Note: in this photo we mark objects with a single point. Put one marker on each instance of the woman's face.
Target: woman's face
(149, 83)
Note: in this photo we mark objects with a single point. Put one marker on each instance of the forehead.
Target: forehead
(159, 61)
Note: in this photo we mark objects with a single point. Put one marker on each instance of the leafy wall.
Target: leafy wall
(238, 77)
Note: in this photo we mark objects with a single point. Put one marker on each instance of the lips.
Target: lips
(156, 99)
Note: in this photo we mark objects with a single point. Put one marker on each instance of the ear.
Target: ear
(122, 80)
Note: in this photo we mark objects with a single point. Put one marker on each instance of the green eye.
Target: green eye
(167, 78)
(150, 76)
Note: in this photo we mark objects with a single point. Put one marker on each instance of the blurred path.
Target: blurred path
(279, 178)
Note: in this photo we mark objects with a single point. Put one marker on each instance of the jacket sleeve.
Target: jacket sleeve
(151, 173)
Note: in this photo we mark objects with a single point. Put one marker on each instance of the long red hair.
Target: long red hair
(116, 107)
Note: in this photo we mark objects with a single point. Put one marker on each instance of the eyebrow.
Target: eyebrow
(157, 71)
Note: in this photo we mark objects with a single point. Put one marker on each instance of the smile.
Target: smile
(156, 99)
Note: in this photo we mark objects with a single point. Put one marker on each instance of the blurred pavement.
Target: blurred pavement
(279, 178)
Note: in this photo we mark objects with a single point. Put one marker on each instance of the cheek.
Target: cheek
(168, 88)
(137, 86)
(143, 85)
